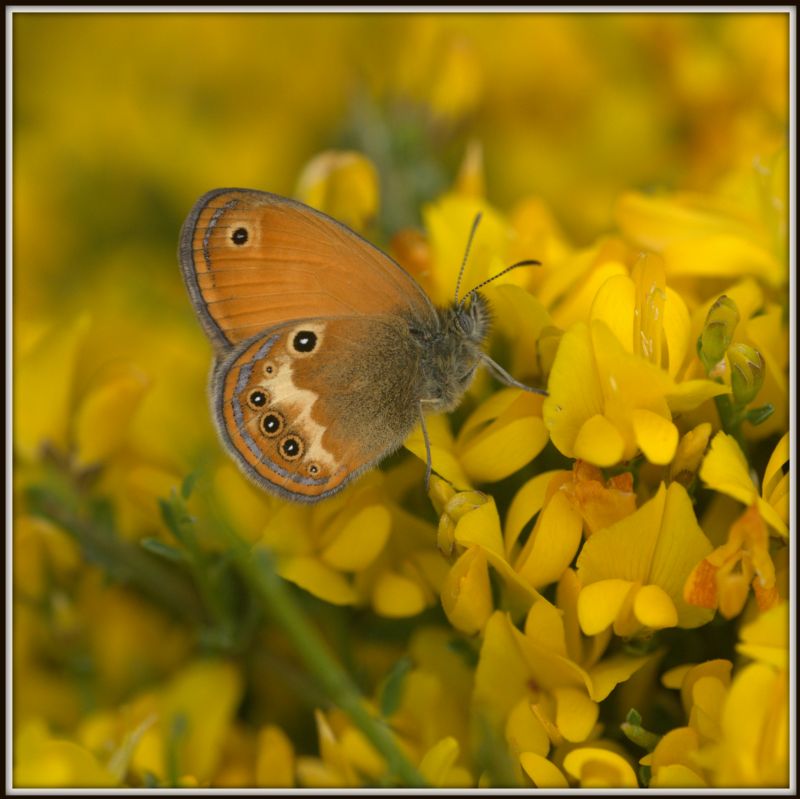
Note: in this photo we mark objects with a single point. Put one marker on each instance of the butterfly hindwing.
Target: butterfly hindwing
(252, 260)
(306, 406)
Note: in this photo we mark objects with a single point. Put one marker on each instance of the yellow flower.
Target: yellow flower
(559, 675)
(193, 713)
(633, 572)
(738, 728)
(44, 761)
(724, 577)
(500, 436)
(89, 424)
(697, 236)
(342, 184)
(595, 767)
(725, 469)
(765, 638)
(605, 404)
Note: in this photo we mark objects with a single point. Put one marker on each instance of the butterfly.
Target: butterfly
(327, 353)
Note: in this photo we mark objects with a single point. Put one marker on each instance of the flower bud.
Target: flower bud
(723, 316)
(747, 373)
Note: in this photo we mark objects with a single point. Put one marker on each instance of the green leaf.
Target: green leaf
(391, 691)
(633, 730)
(188, 484)
(157, 547)
(757, 416)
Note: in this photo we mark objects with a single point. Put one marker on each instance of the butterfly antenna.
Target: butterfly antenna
(499, 274)
(466, 253)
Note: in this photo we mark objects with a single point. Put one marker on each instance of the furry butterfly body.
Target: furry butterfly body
(327, 353)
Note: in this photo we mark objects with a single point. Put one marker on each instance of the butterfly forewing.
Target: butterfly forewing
(252, 260)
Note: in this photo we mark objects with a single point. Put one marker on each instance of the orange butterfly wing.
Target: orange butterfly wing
(252, 260)
(309, 405)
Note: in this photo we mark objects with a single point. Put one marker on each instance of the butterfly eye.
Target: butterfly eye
(313, 468)
(305, 341)
(257, 399)
(291, 447)
(272, 424)
(269, 368)
(239, 236)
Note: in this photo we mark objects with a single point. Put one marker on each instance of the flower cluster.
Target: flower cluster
(594, 591)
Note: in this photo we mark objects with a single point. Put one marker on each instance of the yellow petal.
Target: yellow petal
(725, 469)
(552, 544)
(439, 760)
(611, 671)
(677, 776)
(101, 422)
(689, 454)
(318, 579)
(505, 445)
(542, 772)
(480, 524)
(690, 394)
(614, 304)
(524, 731)
(396, 596)
(501, 677)
(599, 442)
(600, 603)
(766, 637)
(724, 256)
(681, 545)
(206, 694)
(578, 302)
(444, 461)
(466, 593)
(43, 385)
(41, 761)
(656, 436)
(624, 550)
(544, 625)
(677, 330)
(653, 608)
(599, 768)
(527, 502)
(576, 713)
(343, 184)
(574, 389)
(755, 725)
(774, 471)
(274, 759)
(360, 541)
(520, 317)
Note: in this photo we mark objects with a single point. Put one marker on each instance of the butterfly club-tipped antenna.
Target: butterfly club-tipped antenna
(501, 374)
(471, 292)
(466, 253)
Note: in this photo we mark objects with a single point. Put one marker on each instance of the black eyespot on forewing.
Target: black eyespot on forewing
(304, 341)
(240, 236)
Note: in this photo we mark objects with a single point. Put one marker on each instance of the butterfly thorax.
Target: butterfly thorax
(450, 354)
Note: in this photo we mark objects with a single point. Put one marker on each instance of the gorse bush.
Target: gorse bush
(594, 591)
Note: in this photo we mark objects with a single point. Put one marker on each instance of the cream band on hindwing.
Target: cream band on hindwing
(295, 404)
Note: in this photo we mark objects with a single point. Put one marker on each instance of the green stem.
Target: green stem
(257, 568)
(731, 416)
(125, 562)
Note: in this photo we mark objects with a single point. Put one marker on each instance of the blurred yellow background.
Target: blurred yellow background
(121, 121)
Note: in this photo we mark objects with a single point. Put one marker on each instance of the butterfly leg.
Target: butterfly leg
(429, 467)
(504, 377)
